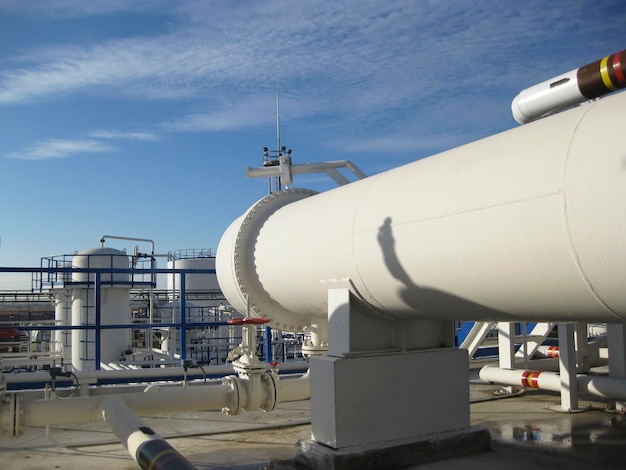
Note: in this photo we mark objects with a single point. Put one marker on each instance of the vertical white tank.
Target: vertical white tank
(62, 339)
(114, 307)
(207, 297)
(193, 259)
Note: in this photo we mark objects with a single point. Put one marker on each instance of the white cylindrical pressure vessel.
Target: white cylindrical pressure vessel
(114, 307)
(529, 224)
(62, 339)
(193, 281)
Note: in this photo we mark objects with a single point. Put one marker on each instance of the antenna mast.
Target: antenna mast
(277, 120)
(280, 157)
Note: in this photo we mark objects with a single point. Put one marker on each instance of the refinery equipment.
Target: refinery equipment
(129, 330)
(527, 225)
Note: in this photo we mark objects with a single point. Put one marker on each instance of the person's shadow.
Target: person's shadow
(430, 303)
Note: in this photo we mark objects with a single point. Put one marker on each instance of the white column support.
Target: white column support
(506, 350)
(419, 390)
(580, 345)
(567, 367)
(353, 328)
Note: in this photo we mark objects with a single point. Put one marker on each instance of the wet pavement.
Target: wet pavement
(525, 432)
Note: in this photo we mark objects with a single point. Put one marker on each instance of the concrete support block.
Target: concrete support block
(369, 400)
(392, 455)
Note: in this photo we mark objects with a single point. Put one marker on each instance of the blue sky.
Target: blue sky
(138, 118)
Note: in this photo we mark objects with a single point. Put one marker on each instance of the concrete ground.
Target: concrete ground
(525, 434)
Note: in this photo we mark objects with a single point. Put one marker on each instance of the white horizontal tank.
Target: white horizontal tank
(529, 224)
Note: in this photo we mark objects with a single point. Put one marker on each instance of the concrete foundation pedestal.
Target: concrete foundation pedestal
(389, 410)
(392, 455)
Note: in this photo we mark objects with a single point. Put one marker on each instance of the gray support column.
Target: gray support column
(617, 356)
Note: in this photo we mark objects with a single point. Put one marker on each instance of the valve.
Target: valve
(58, 372)
(274, 365)
(191, 364)
(246, 352)
(252, 380)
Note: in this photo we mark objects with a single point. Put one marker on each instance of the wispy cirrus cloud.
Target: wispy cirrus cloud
(78, 8)
(359, 55)
(119, 135)
(244, 111)
(354, 64)
(60, 148)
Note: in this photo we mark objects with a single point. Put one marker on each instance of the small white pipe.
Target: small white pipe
(606, 387)
(130, 375)
(83, 409)
(42, 359)
(143, 444)
(549, 351)
(87, 409)
(294, 389)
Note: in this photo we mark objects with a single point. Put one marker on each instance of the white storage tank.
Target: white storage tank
(193, 259)
(62, 339)
(208, 299)
(114, 307)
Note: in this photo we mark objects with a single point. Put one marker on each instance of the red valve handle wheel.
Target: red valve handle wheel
(248, 321)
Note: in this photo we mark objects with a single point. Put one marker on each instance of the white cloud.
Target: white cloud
(59, 148)
(117, 135)
(244, 111)
(371, 53)
(78, 8)
(352, 64)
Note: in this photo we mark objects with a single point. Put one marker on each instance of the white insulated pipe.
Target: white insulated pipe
(145, 446)
(569, 89)
(89, 408)
(526, 225)
(549, 351)
(232, 394)
(137, 375)
(293, 389)
(606, 387)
